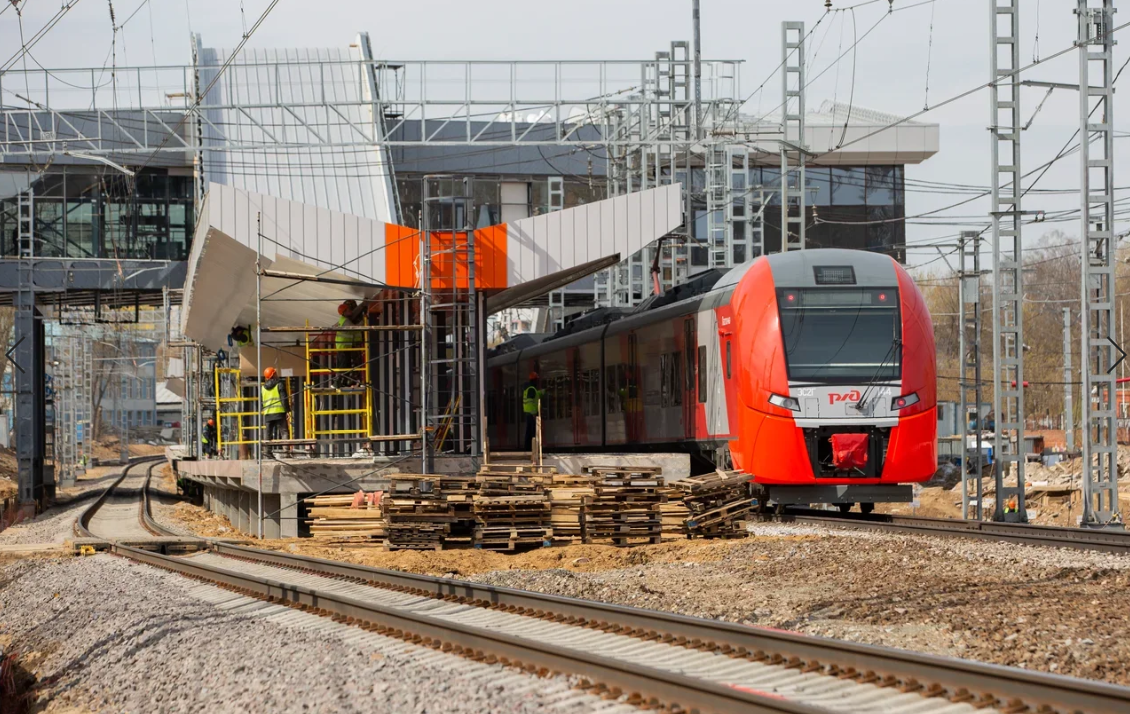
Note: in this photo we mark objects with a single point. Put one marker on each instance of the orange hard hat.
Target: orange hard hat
(269, 373)
(211, 422)
(533, 375)
(342, 309)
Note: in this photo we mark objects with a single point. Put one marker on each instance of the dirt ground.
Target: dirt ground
(1043, 509)
(1053, 610)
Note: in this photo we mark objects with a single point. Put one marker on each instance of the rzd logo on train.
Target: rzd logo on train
(852, 396)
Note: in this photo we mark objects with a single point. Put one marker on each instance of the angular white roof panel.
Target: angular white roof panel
(279, 107)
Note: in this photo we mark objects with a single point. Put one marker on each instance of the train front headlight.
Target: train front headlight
(904, 401)
(784, 402)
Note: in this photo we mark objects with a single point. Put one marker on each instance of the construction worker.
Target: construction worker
(349, 314)
(208, 438)
(531, 402)
(240, 336)
(275, 405)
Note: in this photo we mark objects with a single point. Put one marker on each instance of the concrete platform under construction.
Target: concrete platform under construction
(231, 486)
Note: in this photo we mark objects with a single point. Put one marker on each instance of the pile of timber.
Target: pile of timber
(510, 506)
(417, 513)
(625, 506)
(567, 496)
(717, 504)
(673, 514)
(346, 516)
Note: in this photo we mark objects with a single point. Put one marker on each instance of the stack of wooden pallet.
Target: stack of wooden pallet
(673, 514)
(567, 495)
(510, 508)
(417, 513)
(335, 516)
(718, 504)
(624, 507)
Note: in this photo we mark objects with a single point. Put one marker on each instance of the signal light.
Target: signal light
(784, 402)
(882, 297)
(790, 297)
(904, 401)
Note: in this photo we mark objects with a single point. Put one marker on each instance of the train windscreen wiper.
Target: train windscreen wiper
(862, 405)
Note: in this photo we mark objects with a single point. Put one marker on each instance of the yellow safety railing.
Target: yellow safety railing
(324, 387)
(239, 412)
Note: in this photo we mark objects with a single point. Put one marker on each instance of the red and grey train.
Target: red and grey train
(813, 371)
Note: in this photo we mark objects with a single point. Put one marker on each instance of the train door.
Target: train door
(690, 352)
(630, 388)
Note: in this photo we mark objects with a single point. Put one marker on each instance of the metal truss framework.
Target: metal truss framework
(481, 103)
(969, 385)
(1008, 291)
(793, 79)
(1096, 117)
(639, 116)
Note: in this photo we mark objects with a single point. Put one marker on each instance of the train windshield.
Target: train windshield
(841, 335)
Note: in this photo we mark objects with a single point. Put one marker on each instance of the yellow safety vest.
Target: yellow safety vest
(346, 339)
(272, 400)
(530, 398)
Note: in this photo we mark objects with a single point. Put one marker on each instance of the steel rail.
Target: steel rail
(942, 676)
(1105, 540)
(83, 522)
(645, 685)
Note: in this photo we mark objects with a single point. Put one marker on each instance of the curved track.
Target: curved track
(122, 511)
(653, 658)
(1107, 540)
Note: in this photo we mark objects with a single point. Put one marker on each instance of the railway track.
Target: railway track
(122, 511)
(1106, 540)
(652, 659)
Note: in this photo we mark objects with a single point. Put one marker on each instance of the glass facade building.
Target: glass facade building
(86, 212)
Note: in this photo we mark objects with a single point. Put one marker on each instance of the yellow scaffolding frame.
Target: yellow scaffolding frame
(239, 414)
(314, 391)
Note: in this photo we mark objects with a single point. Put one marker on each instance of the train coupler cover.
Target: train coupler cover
(849, 451)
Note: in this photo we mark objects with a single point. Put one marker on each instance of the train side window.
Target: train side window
(611, 390)
(567, 397)
(728, 373)
(702, 374)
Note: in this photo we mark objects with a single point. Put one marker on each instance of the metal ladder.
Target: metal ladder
(452, 343)
(337, 401)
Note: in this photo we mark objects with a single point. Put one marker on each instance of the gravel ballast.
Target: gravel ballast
(104, 634)
(1055, 610)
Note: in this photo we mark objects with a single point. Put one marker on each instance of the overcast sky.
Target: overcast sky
(946, 39)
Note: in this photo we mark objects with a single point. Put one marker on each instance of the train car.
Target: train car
(812, 371)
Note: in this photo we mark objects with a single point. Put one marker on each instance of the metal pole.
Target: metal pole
(1096, 162)
(262, 430)
(425, 335)
(969, 296)
(1008, 290)
(1068, 407)
(696, 20)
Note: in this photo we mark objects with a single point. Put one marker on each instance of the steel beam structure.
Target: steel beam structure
(1099, 351)
(482, 103)
(792, 136)
(969, 385)
(1008, 291)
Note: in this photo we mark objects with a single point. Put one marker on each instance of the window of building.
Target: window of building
(880, 185)
(848, 186)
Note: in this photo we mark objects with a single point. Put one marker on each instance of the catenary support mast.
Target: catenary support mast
(1099, 352)
(1008, 291)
